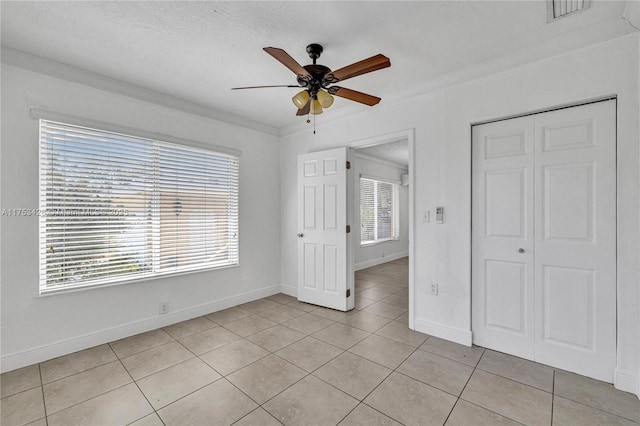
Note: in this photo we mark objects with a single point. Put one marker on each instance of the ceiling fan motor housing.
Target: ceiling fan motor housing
(317, 74)
(314, 50)
(316, 71)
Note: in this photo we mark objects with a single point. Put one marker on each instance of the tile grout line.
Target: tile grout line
(79, 372)
(328, 361)
(343, 351)
(89, 399)
(553, 394)
(383, 380)
(44, 401)
(24, 390)
(587, 405)
(144, 350)
(253, 362)
(270, 353)
(307, 373)
(138, 386)
(451, 411)
(253, 411)
(477, 368)
(464, 387)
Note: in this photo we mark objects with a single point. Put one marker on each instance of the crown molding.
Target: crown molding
(40, 65)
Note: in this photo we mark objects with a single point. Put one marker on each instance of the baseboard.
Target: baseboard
(442, 331)
(290, 290)
(380, 260)
(627, 382)
(43, 353)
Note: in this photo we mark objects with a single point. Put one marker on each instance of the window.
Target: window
(115, 208)
(379, 217)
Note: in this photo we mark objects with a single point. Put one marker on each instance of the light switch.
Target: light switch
(439, 214)
(426, 216)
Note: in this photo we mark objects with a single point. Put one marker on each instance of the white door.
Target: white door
(323, 253)
(568, 296)
(502, 239)
(575, 257)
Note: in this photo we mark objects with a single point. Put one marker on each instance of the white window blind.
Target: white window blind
(115, 208)
(379, 216)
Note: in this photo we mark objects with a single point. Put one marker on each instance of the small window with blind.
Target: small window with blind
(116, 208)
(379, 215)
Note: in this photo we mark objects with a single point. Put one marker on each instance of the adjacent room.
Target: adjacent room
(320, 213)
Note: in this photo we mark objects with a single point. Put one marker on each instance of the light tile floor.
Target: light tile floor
(278, 361)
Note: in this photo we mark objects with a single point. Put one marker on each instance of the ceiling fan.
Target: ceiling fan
(317, 81)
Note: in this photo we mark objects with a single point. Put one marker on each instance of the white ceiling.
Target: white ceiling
(197, 51)
(395, 152)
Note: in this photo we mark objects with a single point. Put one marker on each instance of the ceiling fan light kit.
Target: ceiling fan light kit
(301, 99)
(326, 100)
(318, 81)
(315, 108)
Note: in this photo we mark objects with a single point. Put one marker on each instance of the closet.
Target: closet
(544, 237)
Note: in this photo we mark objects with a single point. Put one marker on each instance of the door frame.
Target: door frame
(617, 180)
(409, 135)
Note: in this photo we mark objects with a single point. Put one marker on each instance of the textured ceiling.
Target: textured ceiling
(396, 152)
(197, 51)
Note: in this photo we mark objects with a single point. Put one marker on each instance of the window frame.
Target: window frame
(194, 146)
(395, 188)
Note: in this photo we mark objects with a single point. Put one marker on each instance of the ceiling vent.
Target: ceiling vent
(557, 9)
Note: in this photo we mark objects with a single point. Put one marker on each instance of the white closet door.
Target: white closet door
(544, 238)
(502, 264)
(575, 257)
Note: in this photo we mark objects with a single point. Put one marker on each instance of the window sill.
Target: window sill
(78, 288)
(375, 243)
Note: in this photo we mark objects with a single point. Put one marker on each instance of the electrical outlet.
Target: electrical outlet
(163, 308)
(434, 289)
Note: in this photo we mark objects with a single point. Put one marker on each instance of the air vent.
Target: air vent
(557, 9)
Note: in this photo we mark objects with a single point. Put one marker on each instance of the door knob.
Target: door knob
(520, 250)
(300, 235)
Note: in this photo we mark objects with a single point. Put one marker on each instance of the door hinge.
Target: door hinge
(348, 292)
(348, 165)
(348, 229)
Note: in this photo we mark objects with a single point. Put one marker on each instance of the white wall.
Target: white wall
(374, 254)
(441, 121)
(36, 328)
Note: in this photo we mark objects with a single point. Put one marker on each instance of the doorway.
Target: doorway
(327, 206)
(380, 241)
(544, 238)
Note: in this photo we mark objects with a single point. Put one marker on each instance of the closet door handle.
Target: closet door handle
(520, 250)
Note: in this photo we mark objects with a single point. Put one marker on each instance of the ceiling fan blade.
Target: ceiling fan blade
(354, 95)
(285, 59)
(264, 87)
(373, 63)
(305, 109)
